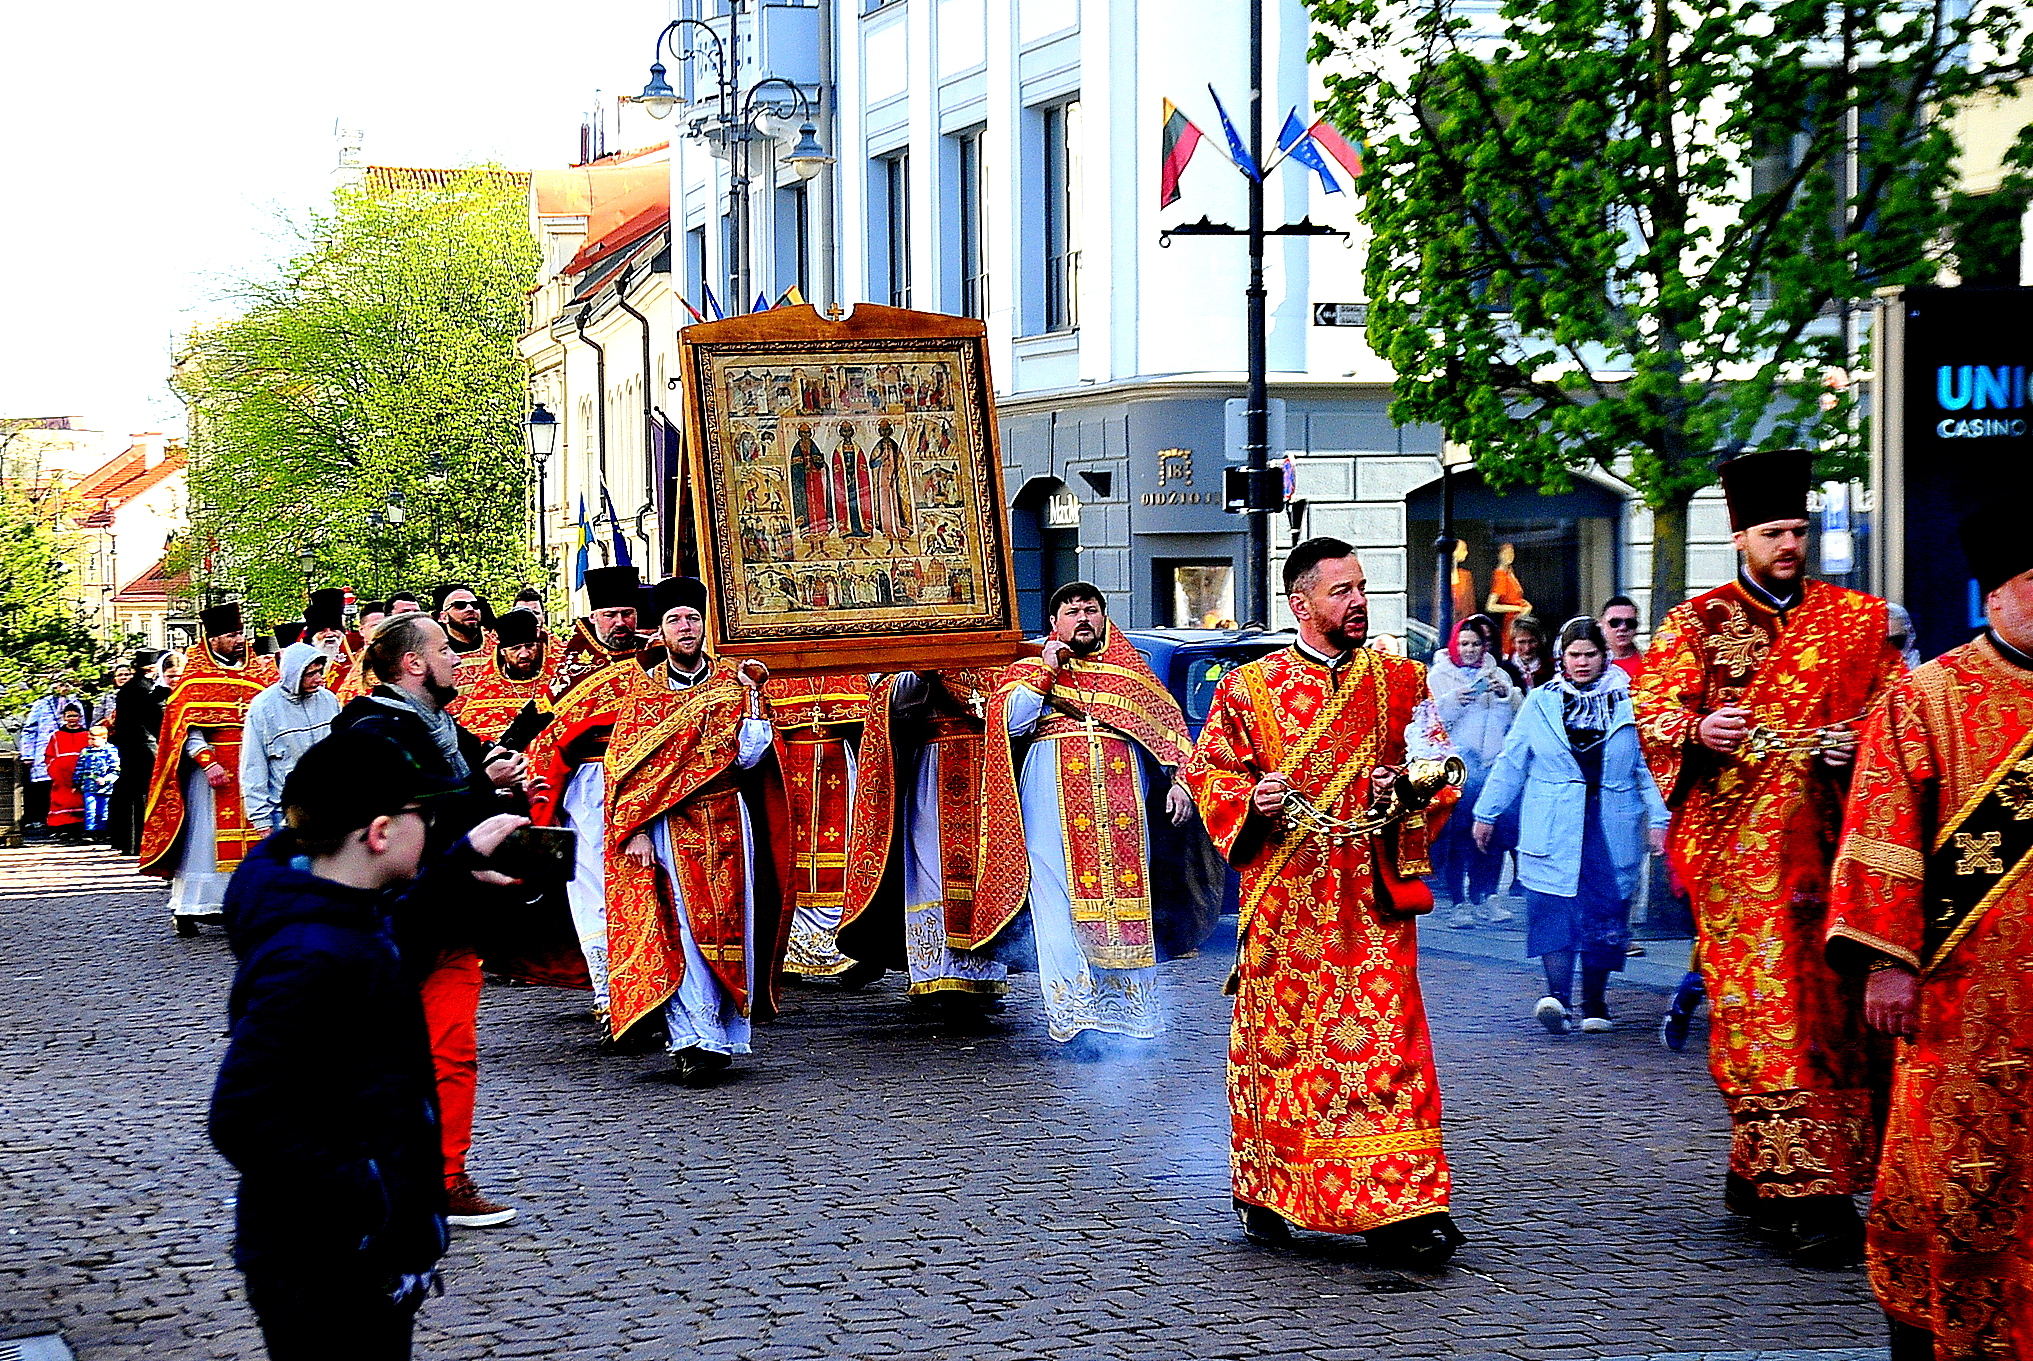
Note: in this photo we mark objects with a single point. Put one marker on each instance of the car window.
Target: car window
(1202, 675)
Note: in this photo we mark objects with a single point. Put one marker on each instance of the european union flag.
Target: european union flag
(1297, 143)
(1244, 162)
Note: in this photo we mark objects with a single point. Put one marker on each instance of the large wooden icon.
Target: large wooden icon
(847, 486)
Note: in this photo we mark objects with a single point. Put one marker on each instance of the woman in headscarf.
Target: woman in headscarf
(1531, 660)
(1475, 699)
(1573, 761)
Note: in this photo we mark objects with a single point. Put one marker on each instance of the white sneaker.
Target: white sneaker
(1596, 1025)
(1462, 918)
(1496, 916)
(1551, 1014)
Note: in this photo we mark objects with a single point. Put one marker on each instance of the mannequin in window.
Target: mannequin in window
(1506, 596)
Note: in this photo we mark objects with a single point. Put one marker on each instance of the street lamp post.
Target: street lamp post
(540, 436)
(733, 126)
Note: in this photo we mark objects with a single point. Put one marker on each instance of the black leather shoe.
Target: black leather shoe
(1261, 1224)
(1423, 1244)
(858, 975)
(1824, 1231)
(700, 1067)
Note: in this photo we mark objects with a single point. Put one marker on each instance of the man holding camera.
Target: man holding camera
(411, 658)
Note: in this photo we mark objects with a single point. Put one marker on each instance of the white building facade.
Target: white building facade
(1001, 159)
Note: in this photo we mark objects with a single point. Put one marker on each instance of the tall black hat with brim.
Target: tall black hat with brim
(221, 620)
(517, 628)
(1995, 542)
(327, 610)
(146, 658)
(351, 778)
(674, 592)
(288, 632)
(612, 588)
(1765, 487)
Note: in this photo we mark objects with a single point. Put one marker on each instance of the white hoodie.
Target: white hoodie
(281, 726)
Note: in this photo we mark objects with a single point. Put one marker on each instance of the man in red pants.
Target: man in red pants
(412, 662)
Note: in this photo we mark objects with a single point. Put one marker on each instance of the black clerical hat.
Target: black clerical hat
(674, 592)
(1995, 541)
(221, 620)
(612, 588)
(327, 610)
(146, 658)
(1769, 486)
(517, 628)
(288, 632)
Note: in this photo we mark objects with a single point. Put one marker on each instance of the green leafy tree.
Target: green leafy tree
(1636, 235)
(43, 631)
(377, 368)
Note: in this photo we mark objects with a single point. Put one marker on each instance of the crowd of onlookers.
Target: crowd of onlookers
(69, 746)
(1556, 785)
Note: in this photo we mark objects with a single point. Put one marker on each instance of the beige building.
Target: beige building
(601, 349)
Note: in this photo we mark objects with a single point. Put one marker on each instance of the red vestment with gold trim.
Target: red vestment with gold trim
(472, 666)
(213, 697)
(587, 684)
(1752, 839)
(878, 839)
(1950, 1237)
(1333, 1097)
(817, 719)
(674, 754)
(495, 699)
(1101, 798)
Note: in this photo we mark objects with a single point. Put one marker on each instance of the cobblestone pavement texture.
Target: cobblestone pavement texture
(873, 1186)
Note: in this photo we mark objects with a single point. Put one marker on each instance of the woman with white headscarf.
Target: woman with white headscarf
(1574, 763)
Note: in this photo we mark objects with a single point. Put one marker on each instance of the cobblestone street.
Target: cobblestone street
(868, 1186)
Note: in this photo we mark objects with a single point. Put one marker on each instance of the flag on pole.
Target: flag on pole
(1297, 143)
(621, 554)
(1181, 140)
(792, 297)
(1337, 146)
(585, 545)
(696, 314)
(1244, 162)
(712, 302)
(761, 303)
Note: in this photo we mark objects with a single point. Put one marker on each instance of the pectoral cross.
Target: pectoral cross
(1979, 853)
(1975, 1165)
(2009, 1067)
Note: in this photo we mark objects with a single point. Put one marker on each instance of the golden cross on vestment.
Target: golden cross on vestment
(2010, 1067)
(1979, 853)
(1975, 1164)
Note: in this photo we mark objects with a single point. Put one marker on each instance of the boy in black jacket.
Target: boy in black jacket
(326, 1101)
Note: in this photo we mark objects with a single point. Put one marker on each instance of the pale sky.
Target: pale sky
(145, 150)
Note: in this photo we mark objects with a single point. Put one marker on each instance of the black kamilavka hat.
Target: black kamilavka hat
(1765, 487)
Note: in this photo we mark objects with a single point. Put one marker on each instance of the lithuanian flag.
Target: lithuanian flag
(1334, 144)
(1181, 139)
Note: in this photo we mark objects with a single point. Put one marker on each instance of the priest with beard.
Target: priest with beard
(194, 829)
(1334, 1101)
(569, 785)
(518, 674)
(698, 843)
(1070, 733)
(325, 630)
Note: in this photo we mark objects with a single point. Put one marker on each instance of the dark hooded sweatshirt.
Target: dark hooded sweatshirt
(326, 1100)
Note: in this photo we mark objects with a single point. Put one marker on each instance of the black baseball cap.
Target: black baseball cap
(351, 778)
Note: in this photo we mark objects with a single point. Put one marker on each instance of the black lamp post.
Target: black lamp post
(540, 437)
(734, 125)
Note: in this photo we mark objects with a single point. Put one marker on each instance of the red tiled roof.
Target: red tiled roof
(126, 476)
(155, 585)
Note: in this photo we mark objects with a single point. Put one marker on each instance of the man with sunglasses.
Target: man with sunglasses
(412, 659)
(1619, 620)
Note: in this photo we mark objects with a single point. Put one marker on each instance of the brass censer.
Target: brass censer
(1417, 785)
(1762, 741)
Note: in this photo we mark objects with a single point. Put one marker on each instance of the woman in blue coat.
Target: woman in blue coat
(1573, 760)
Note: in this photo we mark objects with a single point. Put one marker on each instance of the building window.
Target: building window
(794, 241)
(894, 174)
(973, 233)
(695, 268)
(1062, 215)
